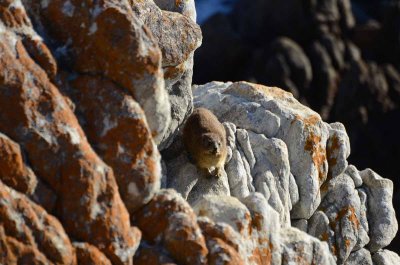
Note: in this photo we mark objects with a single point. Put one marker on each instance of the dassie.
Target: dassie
(205, 141)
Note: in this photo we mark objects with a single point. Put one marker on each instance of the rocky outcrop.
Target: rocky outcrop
(273, 140)
(91, 91)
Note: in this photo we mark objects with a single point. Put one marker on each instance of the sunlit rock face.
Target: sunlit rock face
(92, 91)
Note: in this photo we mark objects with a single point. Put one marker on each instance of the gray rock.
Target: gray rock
(227, 210)
(302, 130)
(191, 183)
(237, 176)
(244, 142)
(381, 216)
(294, 191)
(265, 220)
(385, 257)
(297, 245)
(301, 224)
(181, 100)
(318, 226)
(360, 257)
(182, 175)
(341, 204)
(363, 238)
(186, 7)
(209, 186)
(352, 171)
(338, 149)
(271, 173)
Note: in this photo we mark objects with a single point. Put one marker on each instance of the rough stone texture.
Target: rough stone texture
(381, 216)
(255, 107)
(132, 61)
(13, 170)
(151, 255)
(361, 256)
(28, 235)
(223, 242)
(298, 247)
(191, 183)
(338, 221)
(117, 129)
(60, 119)
(352, 46)
(90, 255)
(169, 221)
(338, 150)
(35, 114)
(185, 7)
(177, 36)
(385, 257)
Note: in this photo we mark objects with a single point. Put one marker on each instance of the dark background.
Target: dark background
(340, 57)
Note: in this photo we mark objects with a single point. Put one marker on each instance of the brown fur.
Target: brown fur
(205, 141)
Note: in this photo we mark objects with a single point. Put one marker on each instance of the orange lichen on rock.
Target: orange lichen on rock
(168, 220)
(28, 235)
(318, 153)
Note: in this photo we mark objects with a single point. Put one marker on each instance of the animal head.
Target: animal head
(212, 143)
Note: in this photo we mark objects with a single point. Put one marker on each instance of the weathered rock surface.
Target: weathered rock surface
(381, 216)
(132, 61)
(117, 128)
(79, 161)
(253, 107)
(385, 257)
(90, 255)
(169, 222)
(28, 235)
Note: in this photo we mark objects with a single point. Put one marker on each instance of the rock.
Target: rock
(132, 61)
(363, 237)
(284, 118)
(178, 37)
(297, 245)
(338, 150)
(301, 224)
(238, 168)
(381, 216)
(117, 128)
(266, 247)
(181, 99)
(293, 190)
(90, 255)
(36, 115)
(225, 209)
(223, 242)
(341, 229)
(393, 79)
(353, 173)
(323, 87)
(151, 255)
(385, 257)
(361, 256)
(271, 173)
(28, 234)
(169, 221)
(191, 183)
(284, 65)
(13, 169)
(186, 8)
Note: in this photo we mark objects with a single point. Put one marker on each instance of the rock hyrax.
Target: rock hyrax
(205, 141)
